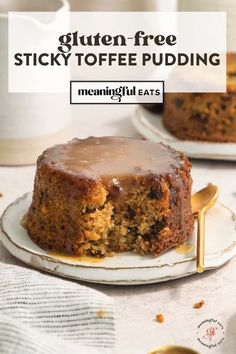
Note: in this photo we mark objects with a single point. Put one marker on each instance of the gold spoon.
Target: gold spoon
(172, 349)
(201, 202)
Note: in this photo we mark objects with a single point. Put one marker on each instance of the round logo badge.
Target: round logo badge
(210, 333)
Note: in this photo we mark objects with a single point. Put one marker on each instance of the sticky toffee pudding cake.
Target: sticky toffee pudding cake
(204, 116)
(102, 195)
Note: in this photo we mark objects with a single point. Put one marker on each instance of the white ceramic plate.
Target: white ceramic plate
(151, 127)
(126, 268)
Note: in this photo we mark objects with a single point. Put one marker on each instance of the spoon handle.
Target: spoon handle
(200, 241)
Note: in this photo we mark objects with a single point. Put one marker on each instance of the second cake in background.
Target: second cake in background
(204, 116)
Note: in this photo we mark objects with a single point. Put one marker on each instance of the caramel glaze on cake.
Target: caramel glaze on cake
(204, 116)
(102, 195)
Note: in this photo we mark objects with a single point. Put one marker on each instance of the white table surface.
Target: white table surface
(136, 306)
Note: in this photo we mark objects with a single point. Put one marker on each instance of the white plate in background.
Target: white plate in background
(151, 127)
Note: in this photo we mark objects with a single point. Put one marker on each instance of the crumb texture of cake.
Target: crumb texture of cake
(204, 116)
(97, 196)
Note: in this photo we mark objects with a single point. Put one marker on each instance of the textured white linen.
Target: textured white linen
(42, 314)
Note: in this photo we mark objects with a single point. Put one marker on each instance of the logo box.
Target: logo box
(116, 92)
